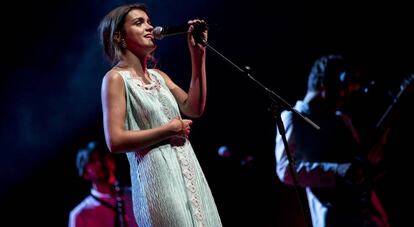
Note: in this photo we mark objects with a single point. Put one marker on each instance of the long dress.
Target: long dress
(168, 185)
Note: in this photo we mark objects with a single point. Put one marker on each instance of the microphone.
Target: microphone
(161, 32)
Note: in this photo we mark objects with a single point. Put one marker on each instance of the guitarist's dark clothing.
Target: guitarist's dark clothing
(325, 160)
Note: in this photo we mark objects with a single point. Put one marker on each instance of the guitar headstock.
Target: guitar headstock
(407, 82)
(405, 85)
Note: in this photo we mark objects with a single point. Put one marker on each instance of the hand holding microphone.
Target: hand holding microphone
(198, 30)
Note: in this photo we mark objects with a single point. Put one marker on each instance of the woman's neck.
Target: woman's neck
(137, 66)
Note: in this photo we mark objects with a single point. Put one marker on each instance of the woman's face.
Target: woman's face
(139, 33)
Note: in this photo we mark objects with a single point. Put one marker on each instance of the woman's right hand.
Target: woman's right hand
(181, 127)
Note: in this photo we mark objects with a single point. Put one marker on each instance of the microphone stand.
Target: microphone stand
(277, 101)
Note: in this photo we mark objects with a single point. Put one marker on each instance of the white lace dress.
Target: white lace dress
(168, 185)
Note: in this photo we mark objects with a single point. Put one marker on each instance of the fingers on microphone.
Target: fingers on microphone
(197, 32)
(194, 22)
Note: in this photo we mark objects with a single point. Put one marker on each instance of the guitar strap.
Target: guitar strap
(103, 202)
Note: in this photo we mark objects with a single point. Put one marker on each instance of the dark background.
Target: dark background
(50, 97)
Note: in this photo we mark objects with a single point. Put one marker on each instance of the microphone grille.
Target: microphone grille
(158, 32)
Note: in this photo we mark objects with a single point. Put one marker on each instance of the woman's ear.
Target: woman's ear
(120, 40)
(117, 37)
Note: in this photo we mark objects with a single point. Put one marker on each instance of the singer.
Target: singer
(141, 115)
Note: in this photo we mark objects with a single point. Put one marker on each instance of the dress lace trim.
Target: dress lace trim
(188, 172)
(154, 83)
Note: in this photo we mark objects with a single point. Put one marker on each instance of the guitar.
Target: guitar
(385, 118)
(386, 121)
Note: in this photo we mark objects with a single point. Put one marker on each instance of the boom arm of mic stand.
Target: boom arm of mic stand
(276, 100)
(270, 92)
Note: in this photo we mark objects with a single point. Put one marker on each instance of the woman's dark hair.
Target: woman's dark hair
(112, 25)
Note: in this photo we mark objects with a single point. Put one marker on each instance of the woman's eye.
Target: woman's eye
(138, 22)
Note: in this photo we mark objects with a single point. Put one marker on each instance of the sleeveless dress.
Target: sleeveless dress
(168, 185)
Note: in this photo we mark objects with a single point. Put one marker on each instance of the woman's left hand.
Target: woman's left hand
(197, 35)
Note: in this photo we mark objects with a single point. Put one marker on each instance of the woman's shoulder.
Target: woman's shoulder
(113, 75)
(112, 78)
(164, 77)
(158, 72)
